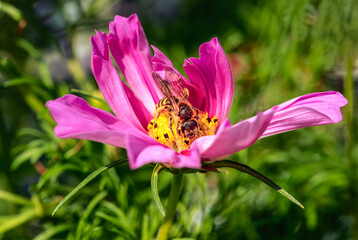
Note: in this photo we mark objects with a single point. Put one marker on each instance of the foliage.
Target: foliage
(278, 50)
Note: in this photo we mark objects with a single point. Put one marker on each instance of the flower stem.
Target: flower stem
(171, 206)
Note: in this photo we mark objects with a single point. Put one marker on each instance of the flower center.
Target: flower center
(179, 128)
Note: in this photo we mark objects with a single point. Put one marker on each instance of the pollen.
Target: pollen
(168, 129)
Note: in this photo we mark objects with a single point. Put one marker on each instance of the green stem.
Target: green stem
(171, 206)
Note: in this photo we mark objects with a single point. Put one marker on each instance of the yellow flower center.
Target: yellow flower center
(168, 128)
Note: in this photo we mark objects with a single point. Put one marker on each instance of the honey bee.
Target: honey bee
(176, 106)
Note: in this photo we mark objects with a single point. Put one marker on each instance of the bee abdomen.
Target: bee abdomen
(163, 102)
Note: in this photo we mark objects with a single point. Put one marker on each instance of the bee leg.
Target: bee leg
(178, 129)
(171, 125)
(158, 112)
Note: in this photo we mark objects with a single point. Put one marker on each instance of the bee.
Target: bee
(176, 106)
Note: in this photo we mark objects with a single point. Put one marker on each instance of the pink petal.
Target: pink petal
(119, 96)
(131, 51)
(100, 45)
(189, 158)
(212, 75)
(142, 150)
(305, 111)
(229, 140)
(76, 119)
(308, 110)
(160, 62)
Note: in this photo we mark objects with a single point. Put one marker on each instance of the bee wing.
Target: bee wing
(166, 88)
(175, 83)
(162, 84)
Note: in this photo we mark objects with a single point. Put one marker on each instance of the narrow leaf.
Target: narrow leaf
(7, 196)
(16, 220)
(21, 81)
(50, 232)
(93, 203)
(246, 169)
(86, 94)
(154, 185)
(43, 69)
(87, 180)
(286, 194)
(10, 10)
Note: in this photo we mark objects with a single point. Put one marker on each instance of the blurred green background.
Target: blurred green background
(278, 50)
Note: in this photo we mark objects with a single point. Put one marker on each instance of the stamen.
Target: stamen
(166, 128)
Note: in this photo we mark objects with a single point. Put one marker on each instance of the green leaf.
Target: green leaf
(10, 10)
(8, 69)
(53, 173)
(86, 94)
(31, 132)
(183, 238)
(122, 220)
(87, 180)
(26, 156)
(35, 149)
(246, 169)
(14, 198)
(118, 222)
(41, 64)
(290, 197)
(154, 185)
(16, 220)
(87, 213)
(49, 233)
(20, 81)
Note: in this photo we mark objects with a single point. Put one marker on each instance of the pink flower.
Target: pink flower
(210, 87)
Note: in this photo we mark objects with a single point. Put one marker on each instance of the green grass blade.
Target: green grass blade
(86, 94)
(12, 222)
(10, 10)
(7, 196)
(86, 181)
(87, 213)
(246, 169)
(20, 81)
(154, 185)
(48, 234)
(43, 69)
(289, 196)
